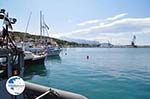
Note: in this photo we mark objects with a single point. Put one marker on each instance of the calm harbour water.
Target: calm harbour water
(109, 73)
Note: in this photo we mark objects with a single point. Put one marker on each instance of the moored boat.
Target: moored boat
(30, 58)
(53, 51)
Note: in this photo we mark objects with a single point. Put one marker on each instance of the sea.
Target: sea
(97, 73)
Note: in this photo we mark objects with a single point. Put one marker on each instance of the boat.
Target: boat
(31, 58)
(52, 51)
(51, 47)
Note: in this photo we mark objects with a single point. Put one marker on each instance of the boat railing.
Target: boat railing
(52, 93)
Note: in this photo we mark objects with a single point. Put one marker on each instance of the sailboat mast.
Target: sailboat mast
(27, 26)
(41, 24)
(28, 22)
(43, 27)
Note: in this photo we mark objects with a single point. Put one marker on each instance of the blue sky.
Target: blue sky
(101, 20)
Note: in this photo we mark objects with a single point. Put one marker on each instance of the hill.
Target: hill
(21, 36)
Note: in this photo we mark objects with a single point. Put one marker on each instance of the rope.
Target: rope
(49, 91)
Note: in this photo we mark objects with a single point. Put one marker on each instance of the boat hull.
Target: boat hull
(34, 61)
(53, 53)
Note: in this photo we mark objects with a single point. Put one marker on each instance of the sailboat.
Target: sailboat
(51, 47)
(32, 55)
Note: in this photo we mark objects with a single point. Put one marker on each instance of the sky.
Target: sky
(115, 21)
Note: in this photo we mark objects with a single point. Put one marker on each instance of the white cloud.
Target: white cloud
(146, 30)
(88, 22)
(113, 29)
(118, 26)
(117, 16)
(116, 29)
(94, 21)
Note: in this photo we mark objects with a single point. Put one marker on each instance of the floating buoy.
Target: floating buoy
(87, 57)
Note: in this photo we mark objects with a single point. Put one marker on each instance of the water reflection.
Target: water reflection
(40, 69)
(53, 59)
(31, 70)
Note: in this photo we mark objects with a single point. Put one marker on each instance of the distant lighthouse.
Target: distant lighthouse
(133, 41)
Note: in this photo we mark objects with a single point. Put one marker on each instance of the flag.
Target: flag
(46, 26)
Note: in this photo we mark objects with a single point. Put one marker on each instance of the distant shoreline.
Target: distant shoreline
(112, 47)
